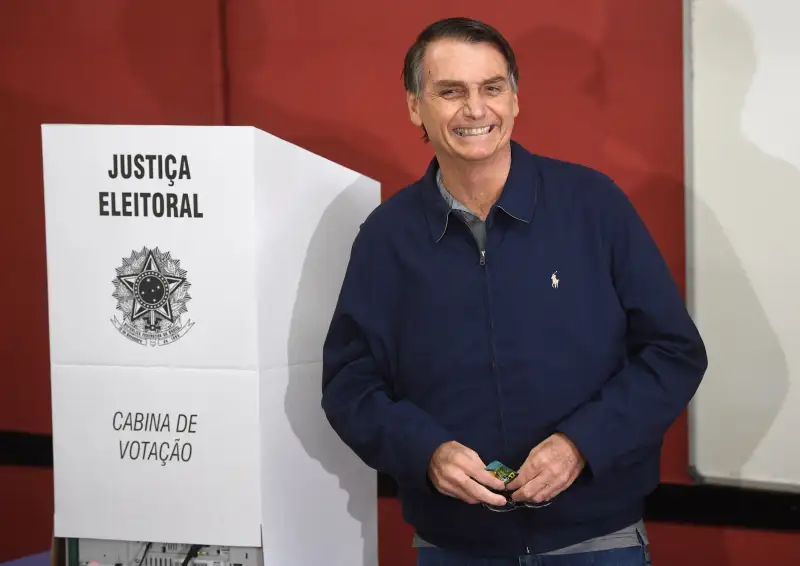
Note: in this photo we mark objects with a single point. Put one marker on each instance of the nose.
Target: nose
(475, 106)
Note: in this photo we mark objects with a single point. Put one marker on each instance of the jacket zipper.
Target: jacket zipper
(496, 377)
(490, 324)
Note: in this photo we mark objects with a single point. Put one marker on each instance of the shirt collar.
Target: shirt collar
(451, 201)
(518, 199)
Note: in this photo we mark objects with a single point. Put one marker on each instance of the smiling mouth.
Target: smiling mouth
(470, 132)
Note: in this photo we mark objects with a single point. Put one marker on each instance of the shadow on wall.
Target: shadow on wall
(748, 373)
(561, 98)
(589, 106)
(319, 125)
(324, 267)
(585, 93)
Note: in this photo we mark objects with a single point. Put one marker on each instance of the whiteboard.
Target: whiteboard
(743, 238)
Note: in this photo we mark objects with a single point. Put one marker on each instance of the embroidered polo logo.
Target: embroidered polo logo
(554, 280)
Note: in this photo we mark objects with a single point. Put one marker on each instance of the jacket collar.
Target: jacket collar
(518, 199)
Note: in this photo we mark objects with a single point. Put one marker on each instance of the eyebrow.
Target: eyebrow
(451, 83)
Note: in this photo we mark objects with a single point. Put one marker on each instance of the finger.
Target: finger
(476, 469)
(456, 491)
(488, 479)
(526, 473)
(518, 481)
(546, 493)
(533, 466)
(457, 484)
(480, 493)
(554, 489)
(466, 497)
(469, 491)
(530, 489)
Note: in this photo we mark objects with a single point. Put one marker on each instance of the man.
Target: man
(514, 308)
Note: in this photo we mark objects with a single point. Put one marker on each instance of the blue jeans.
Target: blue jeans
(631, 556)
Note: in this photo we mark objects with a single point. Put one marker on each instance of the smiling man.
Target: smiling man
(508, 343)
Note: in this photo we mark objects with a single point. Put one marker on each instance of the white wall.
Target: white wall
(743, 237)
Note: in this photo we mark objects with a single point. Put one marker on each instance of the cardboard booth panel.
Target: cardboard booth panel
(156, 454)
(309, 211)
(314, 486)
(173, 204)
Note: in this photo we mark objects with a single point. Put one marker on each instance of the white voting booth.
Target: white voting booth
(192, 273)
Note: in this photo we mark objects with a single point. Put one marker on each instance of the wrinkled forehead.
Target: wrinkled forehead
(469, 64)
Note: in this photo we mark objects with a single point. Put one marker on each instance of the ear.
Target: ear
(515, 105)
(413, 109)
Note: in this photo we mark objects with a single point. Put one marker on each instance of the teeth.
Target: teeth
(473, 131)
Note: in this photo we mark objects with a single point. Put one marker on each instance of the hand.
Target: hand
(456, 471)
(550, 468)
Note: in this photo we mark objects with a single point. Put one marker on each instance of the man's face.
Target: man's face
(467, 105)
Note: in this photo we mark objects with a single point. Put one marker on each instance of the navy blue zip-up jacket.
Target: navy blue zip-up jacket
(433, 341)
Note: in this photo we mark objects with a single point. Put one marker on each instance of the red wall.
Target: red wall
(92, 61)
(601, 83)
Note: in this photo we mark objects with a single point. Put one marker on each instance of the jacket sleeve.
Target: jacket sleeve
(392, 436)
(666, 355)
